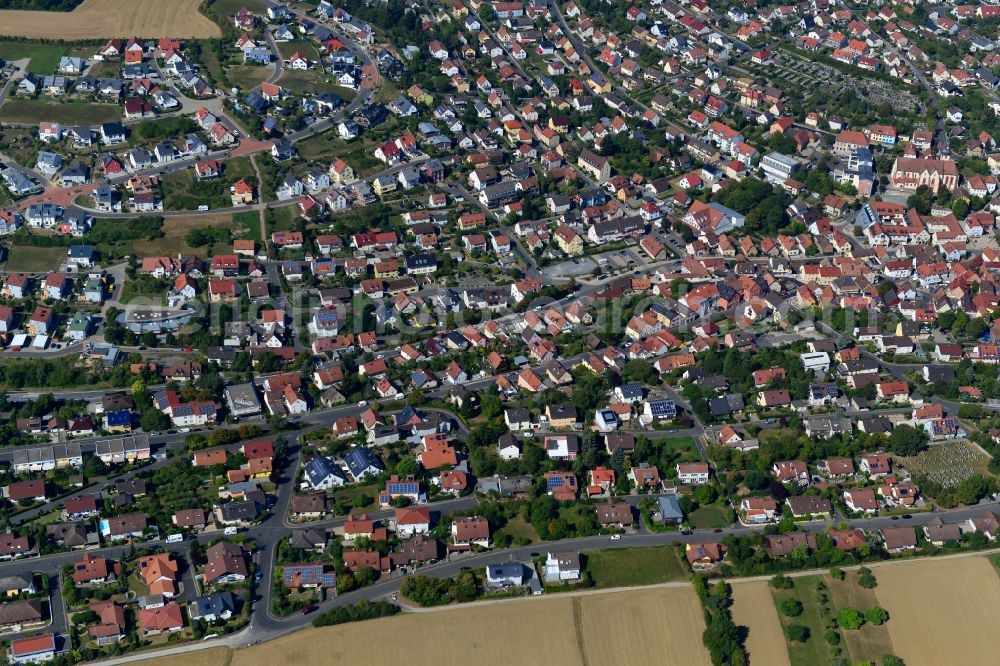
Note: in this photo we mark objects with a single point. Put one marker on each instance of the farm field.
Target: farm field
(669, 620)
(33, 111)
(869, 642)
(30, 259)
(753, 608)
(565, 630)
(625, 567)
(174, 231)
(98, 19)
(941, 610)
(814, 649)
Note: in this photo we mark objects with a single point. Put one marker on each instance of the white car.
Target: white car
(616, 537)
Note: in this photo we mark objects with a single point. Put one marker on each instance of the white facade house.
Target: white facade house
(692, 473)
(815, 361)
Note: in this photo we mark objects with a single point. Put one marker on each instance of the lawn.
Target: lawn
(30, 259)
(348, 493)
(21, 145)
(814, 650)
(313, 80)
(70, 113)
(387, 90)
(629, 567)
(210, 60)
(104, 70)
(44, 57)
(181, 191)
(683, 444)
(519, 527)
(304, 47)
(136, 297)
(283, 218)
(246, 77)
(710, 516)
(247, 226)
(327, 146)
(136, 585)
(174, 231)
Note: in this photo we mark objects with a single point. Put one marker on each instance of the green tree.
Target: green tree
(721, 638)
(866, 579)
(876, 615)
(849, 618)
(906, 440)
(798, 633)
(790, 607)
(705, 494)
(781, 582)
(972, 489)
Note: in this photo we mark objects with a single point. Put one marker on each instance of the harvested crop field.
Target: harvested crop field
(669, 620)
(664, 626)
(753, 608)
(99, 19)
(941, 611)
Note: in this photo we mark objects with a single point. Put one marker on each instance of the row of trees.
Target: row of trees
(722, 638)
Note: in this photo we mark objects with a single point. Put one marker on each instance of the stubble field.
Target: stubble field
(941, 611)
(656, 625)
(754, 609)
(100, 19)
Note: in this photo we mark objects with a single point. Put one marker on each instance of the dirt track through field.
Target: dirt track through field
(112, 18)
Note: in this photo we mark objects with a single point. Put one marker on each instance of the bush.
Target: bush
(780, 582)
(876, 615)
(850, 618)
(797, 632)
(866, 579)
(832, 637)
(363, 610)
(892, 660)
(791, 607)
